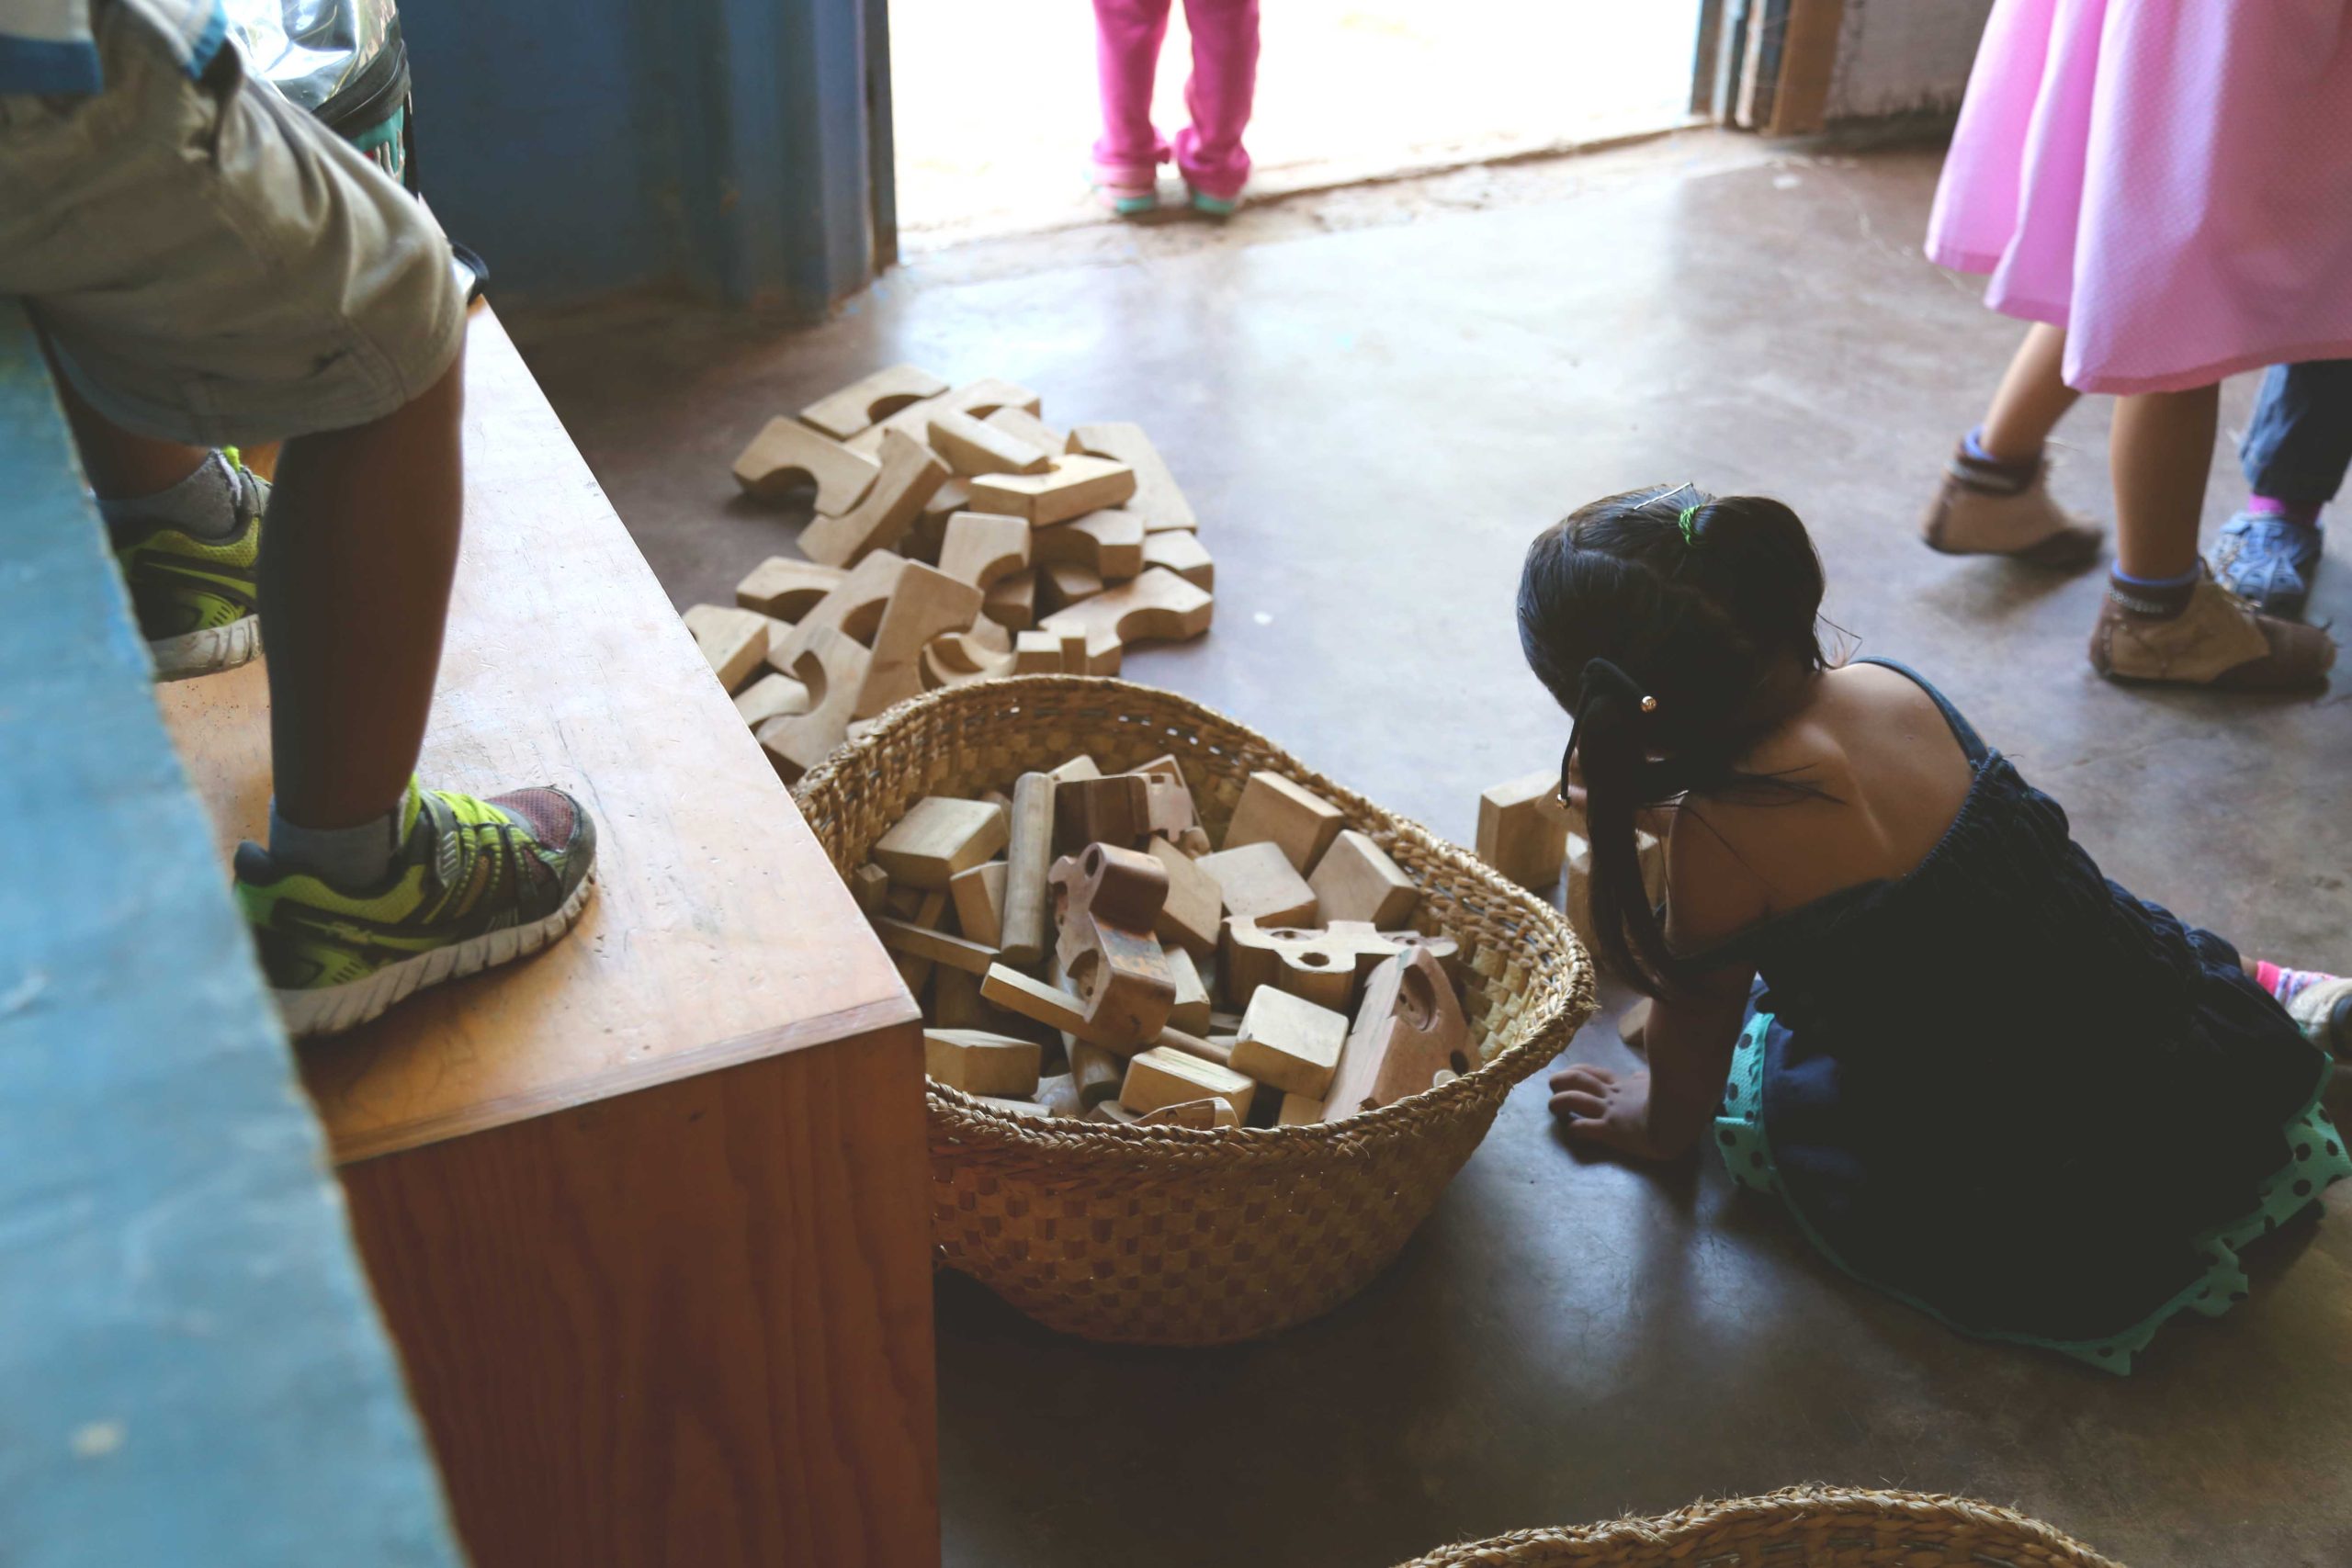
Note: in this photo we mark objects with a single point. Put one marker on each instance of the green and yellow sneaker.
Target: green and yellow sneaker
(476, 883)
(195, 597)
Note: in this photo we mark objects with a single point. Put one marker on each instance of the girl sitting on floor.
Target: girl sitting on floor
(1889, 987)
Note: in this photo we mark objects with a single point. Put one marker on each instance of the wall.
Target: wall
(1904, 56)
(719, 147)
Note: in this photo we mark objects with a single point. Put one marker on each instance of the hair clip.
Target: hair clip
(1689, 534)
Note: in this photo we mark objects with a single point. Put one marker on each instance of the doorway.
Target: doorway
(995, 105)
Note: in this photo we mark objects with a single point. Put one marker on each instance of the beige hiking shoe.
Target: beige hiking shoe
(1984, 509)
(2220, 640)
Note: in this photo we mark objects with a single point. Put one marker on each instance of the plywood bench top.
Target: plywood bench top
(718, 933)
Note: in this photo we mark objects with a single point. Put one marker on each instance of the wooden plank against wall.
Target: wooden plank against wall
(1808, 60)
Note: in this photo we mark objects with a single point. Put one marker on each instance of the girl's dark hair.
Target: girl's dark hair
(1699, 600)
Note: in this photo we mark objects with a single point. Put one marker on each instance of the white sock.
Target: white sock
(347, 858)
(203, 505)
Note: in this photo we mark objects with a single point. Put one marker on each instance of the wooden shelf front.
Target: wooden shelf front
(648, 1213)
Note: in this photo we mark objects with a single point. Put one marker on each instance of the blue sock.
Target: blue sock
(1972, 444)
(347, 858)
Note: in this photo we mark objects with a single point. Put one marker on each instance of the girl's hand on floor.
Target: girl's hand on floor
(1599, 1108)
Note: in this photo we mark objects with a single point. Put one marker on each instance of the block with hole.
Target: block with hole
(926, 603)
(1410, 1028)
(911, 473)
(773, 695)
(1071, 487)
(735, 642)
(983, 548)
(1158, 606)
(1105, 901)
(1174, 550)
(786, 588)
(1109, 543)
(785, 456)
(978, 399)
(869, 399)
(854, 607)
(1156, 497)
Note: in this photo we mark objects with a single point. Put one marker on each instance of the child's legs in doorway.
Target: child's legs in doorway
(1223, 85)
(1127, 58)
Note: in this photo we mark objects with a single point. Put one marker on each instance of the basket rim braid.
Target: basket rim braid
(1172, 1145)
(1827, 1526)
(1183, 1235)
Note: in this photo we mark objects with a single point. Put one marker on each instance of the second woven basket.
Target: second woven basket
(1172, 1235)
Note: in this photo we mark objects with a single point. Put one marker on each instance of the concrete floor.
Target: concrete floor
(1372, 399)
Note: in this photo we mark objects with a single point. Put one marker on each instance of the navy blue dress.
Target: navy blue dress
(2011, 1093)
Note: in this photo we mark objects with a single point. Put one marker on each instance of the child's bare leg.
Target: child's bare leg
(2164, 618)
(118, 464)
(2033, 398)
(358, 555)
(1995, 500)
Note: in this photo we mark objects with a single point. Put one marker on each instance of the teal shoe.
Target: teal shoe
(1215, 206)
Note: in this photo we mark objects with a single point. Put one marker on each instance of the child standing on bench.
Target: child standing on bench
(1890, 987)
(207, 266)
(1208, 152)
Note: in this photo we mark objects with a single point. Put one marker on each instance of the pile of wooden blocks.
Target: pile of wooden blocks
(1083, 950)
(1528, 833)
(956, 538)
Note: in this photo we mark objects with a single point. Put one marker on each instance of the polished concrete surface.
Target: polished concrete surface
(1372, 400)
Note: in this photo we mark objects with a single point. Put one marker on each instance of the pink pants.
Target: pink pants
(1224, 76)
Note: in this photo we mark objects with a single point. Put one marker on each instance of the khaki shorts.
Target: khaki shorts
(212, 265)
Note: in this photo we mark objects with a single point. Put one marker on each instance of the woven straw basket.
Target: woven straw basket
(1804, 1528)
(1172, 1235)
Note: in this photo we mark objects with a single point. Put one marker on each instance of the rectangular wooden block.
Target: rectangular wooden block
(973, 449)
(784, 457)
(1036, 653)
(1355, 880)
(937, 947)
(1162, 1076)
(978, 895)
(1029, 854)
(939, 838)
(1191, 1011)
(911, 473)
(1524, 829)
(1290, 1042)
(1049, 1005)
(1157, 496)
(734, 641)
(1194, 917)
(1274, 810)
(1298, 1110)
(1023, 425)
(786, 588)
(980, 1063)
(1072, 487)
(844, 413)
(1258, 882)
(1116, 810)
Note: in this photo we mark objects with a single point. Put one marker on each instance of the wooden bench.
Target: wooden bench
(193, 1371)
(648, 1214)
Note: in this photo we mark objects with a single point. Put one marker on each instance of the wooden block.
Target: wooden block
(1258, 884)
(1410, 1029)
(1111, 1110)
(1029, 1110)
(786, 588)
(1209, 1048)
(911, 473)
(955, 1001)
(1158, 606)
(1192, 918)
(733, 640)
(1522, 830)
(1013, 600)
(1096, 1073)
(1323, 967)
(784, 457)
(1063, 584)
(1290, 1044)
(1115, 812)
(1036, 653)
(1174, 550)
(1195, 842)
(939, 838)
(1060, 1096)
(1109, 543)
(1023, 425)
(1355, 880)
(844, 413)
(980, 1063)
(834, 668)
(1156, 494)
(1077, 768)
(770, 696)
(1274, 810)
(901, 902)
(928, 603)
(978, 399)
(978, 896)
(905, 936)
(1297, 1110)
(1029, 854)
(1173, 811)
(1202, 1116)
(1161, 1076)
(1105, 901)
(1190, 1012)
(869, 885)
(1071, 487)
(854, 608)
(956, 658)
(973, 449)
(1016, 992)
(981, 548)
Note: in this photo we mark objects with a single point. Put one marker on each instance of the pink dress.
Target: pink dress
(2169, 180)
